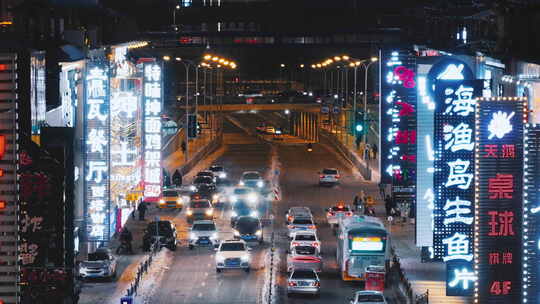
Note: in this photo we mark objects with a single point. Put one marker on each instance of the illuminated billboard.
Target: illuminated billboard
(531, 221)
(453, 144)
(498, 202)
(153, 99)
(97, 158)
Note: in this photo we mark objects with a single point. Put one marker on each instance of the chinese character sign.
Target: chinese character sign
(97, 140)
(398, 117)
(498, 204)
(153, 97)
(454, 181)
(531, 209)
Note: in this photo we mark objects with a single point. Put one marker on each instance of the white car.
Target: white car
(301, 224)
(305, 238)
(100, 264)
(297, 212)
(304, 257)
(218, 171)
(329, 176)
(203, 233)
(233, 254)
(368, 297)
(335, 212)
(245, 194)
(252, 179)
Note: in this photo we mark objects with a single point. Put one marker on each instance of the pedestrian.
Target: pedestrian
(382, 190)
(356, 203)
(166, 178)
(388, 205)
(358, 141)
(375, 151)
(177, 178)
(142, 210)
(366, 152)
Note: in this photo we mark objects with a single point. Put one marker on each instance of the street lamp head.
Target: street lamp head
(337, 58)
(215, 58)
(352, 65)
(302, 66)
(313, 66)
(166, 58)
(225, 62)
(345, 57)
(178, 7)
(178, 59)
(282, 65)
(373, 59)
(358, 63)
(319, 65)
(287, 111)
(207, 57)
(221, 60)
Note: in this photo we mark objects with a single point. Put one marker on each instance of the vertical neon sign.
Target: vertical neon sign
(531, 219)
(153, 98)
(454, 180)
(97, 141)
(499, 197)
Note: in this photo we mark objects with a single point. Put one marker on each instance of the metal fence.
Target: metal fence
(399, 278)
(143, 269)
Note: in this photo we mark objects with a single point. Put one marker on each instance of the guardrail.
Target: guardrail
(399, 278)
(268, 292)
(143, 269)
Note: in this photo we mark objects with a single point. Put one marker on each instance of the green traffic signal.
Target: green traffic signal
(359, 128)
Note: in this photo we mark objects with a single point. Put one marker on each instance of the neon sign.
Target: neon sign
(97, 139)
(453, 178)
(499, 182)
(152, 130)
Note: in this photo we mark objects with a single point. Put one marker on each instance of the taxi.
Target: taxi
(171, 199)
(333, 213)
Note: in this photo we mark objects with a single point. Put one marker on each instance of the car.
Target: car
(171, 198)
(305, 238)
(199, 210)
(297, 212)
(245, 194)
(368, 297)
(164, 231)
(207, 173)
(252, 179)
(233, 254)
(270, 130)
(301, 224)
(303, 281)
(203, 233)
(100, 264)
(333, 213)
(305, 257)
(248, 228)
(241, 208)
(203, 183)
(329, 176)
(218, 171)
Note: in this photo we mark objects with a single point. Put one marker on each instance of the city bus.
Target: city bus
(362, 241)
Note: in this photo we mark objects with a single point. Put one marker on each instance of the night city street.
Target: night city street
(269, 152)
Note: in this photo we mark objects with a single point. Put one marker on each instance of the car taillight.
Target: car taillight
(294, 244)
(315, 244)
(322, 176)
(318, 284)
(349, 213)
(289, 218)
(331, 213)
(311, 227)
(337, 176)
(292, 283)
(292, 226)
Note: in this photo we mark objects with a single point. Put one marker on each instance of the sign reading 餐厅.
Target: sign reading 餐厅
(498, 203)
(97, 140)
(153, 97)
(531, 209)
(454, 180)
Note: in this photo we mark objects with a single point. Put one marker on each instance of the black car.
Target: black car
(203, 184)
(165, 231)
(248, 228)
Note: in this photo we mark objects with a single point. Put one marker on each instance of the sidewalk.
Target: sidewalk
(177, 159)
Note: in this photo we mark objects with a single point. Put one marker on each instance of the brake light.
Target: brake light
(337, 175)
(311, 227)
(331, 213)
(292, 226)
(317, 284)
(292, 283)
(289, 218)
(315, 244)
(349, 213)
(295, 244)
(322, 176)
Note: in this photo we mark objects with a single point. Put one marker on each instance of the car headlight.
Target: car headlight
(245, 258)
(258, 233)
(220, 258)
(161, 202)
(179, 201)
(209, 212)
(215, 197)
(260, 184)
(222, 175)
(214, 236)
(254, 213)
(234, 199)
(241, 183)
(236, 233)
(193, 236)
(192, 188)
(252, 198)
(189, 212)
(234, 214)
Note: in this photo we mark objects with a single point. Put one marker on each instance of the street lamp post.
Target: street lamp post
(174, 13)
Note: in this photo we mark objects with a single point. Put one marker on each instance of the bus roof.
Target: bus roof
(361, 223)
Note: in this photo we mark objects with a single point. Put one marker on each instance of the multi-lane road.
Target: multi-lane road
(191, 278)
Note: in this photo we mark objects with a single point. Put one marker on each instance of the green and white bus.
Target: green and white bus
(362, 242)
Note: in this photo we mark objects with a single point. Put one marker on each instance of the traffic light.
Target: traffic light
(192, 126)
(360, 125)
